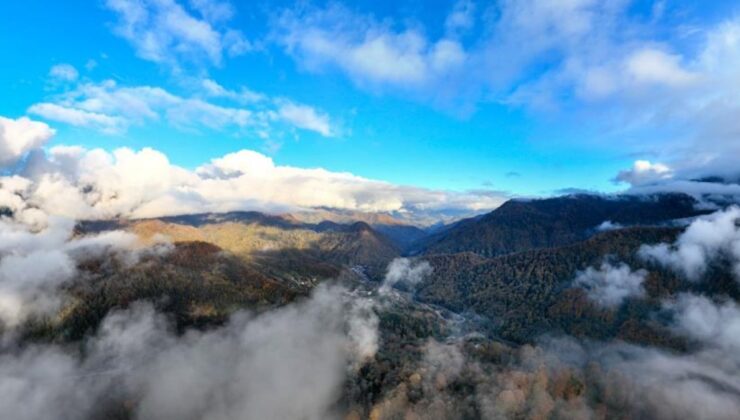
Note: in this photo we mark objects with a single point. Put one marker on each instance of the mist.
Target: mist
(287, 363)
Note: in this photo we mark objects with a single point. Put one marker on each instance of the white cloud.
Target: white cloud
(95, 184)
(287, 363)
(406, 272)
(165, 31)
(305, 117)
(697, 105)
(64, 73)
(715, 325)
(244, 95)
(607, 225)
(78, 117)
(18, 137)
(657, 383)
(112, 109)
(588, 48)
(610, 285)
(629, 78)
(709, 195)
(655, 66)
(645, 172)
(675, 90)
(370, 52)
(705, 240)
(36, 259)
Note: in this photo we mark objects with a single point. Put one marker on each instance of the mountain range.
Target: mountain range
(490, 287)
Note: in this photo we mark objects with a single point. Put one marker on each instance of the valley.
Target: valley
(482, 322)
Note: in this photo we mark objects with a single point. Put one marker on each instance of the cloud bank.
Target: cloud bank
(39, 255)
(288, 363)
(96, 184)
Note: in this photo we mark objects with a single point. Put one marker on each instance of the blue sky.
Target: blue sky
(522, 97)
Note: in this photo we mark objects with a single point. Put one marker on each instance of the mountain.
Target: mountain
(399, 230)
(217, 264)
(521, 291)
(520, 225)
(403, 236)
(280, 246)
(197, 283)
(477, 336)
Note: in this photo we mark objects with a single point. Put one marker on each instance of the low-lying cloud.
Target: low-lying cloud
(610, 285)
(35, 261)
(406, 272)
(705, 240)
(288, 363)
(713, 324)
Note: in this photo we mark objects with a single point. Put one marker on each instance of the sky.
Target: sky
(472, 98)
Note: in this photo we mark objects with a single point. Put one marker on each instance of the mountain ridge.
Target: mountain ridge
(518, 225)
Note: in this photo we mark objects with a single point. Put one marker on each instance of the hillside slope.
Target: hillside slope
(522, 225)
(528, 293)
(299, 252)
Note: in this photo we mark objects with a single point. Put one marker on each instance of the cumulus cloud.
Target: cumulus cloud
(644, 172)
(18, 137)
(167, 32)
(287, 363)
(710, 181)
(95, 184)
(111, 108)
(707, 239)
(610, 285)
